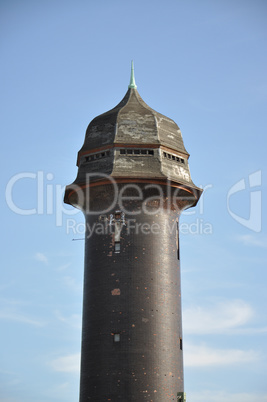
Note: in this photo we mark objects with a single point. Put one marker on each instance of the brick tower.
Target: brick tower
(133, 182)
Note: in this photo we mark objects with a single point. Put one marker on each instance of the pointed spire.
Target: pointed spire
(132, 80)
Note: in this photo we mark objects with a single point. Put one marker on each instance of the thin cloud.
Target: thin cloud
(64, 266)
(74, 320)
(251, 331)
(202, 356)
(18, 317)
(222, 396)
(63, 386)
(67, 364)
(218, 318)
(253, 240)
(41, 257)
(72, 284)
(11, 311)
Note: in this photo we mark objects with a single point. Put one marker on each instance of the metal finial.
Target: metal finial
(132, 80)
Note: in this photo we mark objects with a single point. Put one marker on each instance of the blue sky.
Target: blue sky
(202, 63)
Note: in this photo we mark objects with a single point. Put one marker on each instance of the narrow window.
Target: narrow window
(122, 151)
(177, 241)
(117, 337)
(165, 155)
(108, 153)
(173, 157)
(181, 344)
(117, 234)
(97, 156)
(117, 247)
(118, 220)
(177, 158)
(182, 160)
(129, 151)
(137, 151)
(103, 154)
(143, 151)
(87, 159)
(150, 152)
(169, 156)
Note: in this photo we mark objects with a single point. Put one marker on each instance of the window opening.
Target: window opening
(137, 151)
(129, 151)
(177, 241)
(150, 152)
(122, 151)
(143, 151)
(173, 157)
(117, 247)
(118, 220)
(117, 337)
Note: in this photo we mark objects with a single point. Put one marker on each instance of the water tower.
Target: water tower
(133, 182)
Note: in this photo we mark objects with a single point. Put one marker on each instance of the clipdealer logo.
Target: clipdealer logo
(253, 222)
(49, 201)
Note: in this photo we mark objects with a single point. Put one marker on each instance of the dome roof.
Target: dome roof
(132, 122)
(133, 142)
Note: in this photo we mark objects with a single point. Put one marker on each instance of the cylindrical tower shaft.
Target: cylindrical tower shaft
(132, 327)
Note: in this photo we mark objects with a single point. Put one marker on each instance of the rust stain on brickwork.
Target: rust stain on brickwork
(116, 292)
